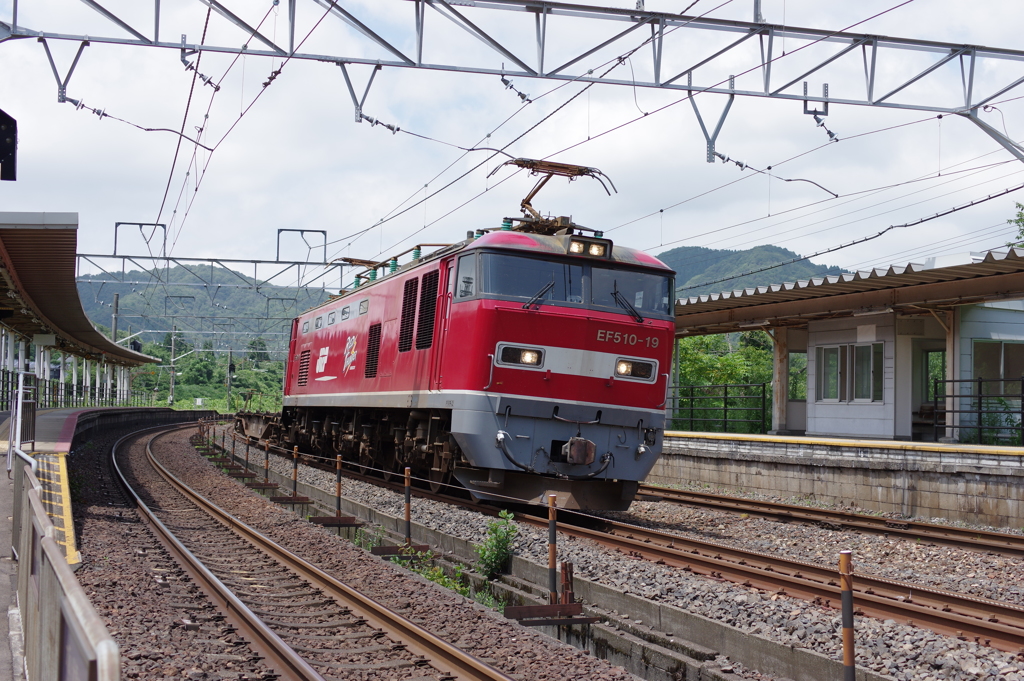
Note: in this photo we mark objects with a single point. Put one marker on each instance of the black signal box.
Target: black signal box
(8, 147)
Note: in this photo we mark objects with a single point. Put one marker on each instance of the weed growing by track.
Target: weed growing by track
(368, 540)
(496, 550)
(421, 564)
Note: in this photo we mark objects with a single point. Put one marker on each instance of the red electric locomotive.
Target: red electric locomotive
(524, 361)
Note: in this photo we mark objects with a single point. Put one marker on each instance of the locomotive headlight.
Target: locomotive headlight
(577, 247)
(634, 369)
(597, 250)
(530, 357)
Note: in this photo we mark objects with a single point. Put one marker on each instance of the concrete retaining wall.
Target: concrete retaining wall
(972, 485)
(93, 423)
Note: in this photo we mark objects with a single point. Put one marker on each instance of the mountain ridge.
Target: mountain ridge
(696, 265)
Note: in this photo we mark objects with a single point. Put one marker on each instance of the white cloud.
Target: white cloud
(297, 159)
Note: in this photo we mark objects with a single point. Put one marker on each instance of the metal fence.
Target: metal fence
(53, 394)
(726, 408)
(65, 638)
(979, 410)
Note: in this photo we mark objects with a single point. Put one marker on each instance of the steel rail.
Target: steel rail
(981, 540)
(988, 622)
(1000, 625)
(278, 654)
(420, 641)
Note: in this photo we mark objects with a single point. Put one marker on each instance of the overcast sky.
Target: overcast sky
(297, 159)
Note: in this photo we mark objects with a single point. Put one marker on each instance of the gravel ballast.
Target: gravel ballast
(900, 651)
(514, 649)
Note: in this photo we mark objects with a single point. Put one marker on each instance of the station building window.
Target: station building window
(846, 373)
(999, 360)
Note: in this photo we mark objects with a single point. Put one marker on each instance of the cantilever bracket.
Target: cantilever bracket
(62, 85)
(358, 103)
(1011, 146)
(721, 119)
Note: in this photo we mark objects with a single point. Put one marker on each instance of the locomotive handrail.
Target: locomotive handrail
(490, 378)
(665, 401)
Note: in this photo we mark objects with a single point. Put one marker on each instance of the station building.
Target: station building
(896, 389)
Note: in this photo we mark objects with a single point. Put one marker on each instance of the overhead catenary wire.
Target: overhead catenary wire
(620, 59)
(276, 73)
(969, 173)
(830, 205)
(857, 241)
(615, 62)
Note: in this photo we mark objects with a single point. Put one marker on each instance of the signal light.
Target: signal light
(8, 147)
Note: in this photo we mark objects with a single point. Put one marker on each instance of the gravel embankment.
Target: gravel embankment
(900, 651)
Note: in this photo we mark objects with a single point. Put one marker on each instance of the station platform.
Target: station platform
(977, 484)
(55, 428)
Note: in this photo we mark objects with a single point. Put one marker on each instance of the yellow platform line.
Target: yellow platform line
(951, 448)
(70, 550)
(59, 470)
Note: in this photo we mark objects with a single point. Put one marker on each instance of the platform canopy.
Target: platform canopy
(938, 284)
(38, 293)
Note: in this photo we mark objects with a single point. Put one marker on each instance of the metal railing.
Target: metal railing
(725, 408)
(53, 394)
(65, 638)
(980, 410)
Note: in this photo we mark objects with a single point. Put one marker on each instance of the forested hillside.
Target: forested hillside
(695, 265)
(183, 294)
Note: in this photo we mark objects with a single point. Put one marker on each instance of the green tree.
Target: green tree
(256, 351)
(1019, 223)
(725, 359)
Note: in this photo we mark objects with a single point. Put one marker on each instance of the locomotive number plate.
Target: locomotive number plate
(627, 338)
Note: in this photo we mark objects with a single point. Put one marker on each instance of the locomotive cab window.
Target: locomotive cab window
(466, 278)
(305, 327)
(645, 292)
(532, 278)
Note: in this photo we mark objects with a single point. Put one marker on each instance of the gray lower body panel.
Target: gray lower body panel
(627, 442)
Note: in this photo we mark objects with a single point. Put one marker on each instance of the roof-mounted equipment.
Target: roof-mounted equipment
(533, 220)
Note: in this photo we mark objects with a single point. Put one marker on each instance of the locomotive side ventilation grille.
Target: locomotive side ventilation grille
(304, 367)
(372, 351)
(408, 315)
(428, 306)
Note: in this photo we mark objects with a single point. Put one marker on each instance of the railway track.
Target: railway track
(979, 540)
(308, 625)
(987, 622)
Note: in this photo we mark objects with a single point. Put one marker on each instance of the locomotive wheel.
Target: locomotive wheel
(365, 463)
(439, 480)
(440, 474)
(389, 465)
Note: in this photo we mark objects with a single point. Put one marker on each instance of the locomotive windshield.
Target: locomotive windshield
(573, 283)
(643, 291)
(510, 275)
